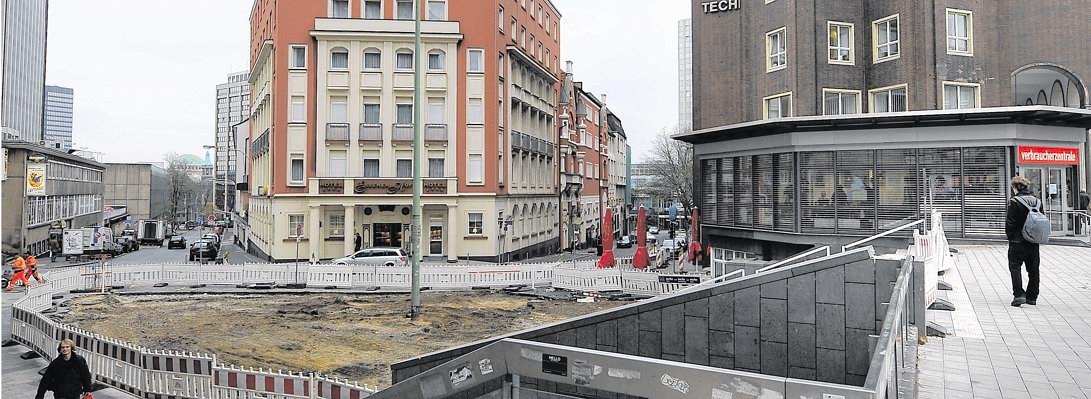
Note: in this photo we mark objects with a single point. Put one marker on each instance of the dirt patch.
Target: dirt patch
(355, 337)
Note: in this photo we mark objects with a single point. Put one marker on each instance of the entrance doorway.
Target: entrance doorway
(1055, 186)
(387, 235)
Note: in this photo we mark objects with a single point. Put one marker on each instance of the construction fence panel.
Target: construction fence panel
(230, 382)
(178, 374)
(338, 389)
(111, 362)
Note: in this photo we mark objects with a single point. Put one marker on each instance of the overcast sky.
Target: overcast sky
(145, 75)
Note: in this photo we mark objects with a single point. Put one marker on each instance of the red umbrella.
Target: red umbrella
(694, 244)
(607, 234)
(640, 259)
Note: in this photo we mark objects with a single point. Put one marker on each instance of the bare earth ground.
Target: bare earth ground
(349, 336)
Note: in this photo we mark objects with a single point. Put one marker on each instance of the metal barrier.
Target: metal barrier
(1078, 220)
(825, 250)
(883, 234)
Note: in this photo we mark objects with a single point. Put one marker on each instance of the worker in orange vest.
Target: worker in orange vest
(32, 269)
(19, 267)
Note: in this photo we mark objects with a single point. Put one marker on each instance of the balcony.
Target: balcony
(371, 132)
(403, 132)
(337, 132)
(435, 132)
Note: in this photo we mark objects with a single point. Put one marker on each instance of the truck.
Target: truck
(89, 241)
(151, 232)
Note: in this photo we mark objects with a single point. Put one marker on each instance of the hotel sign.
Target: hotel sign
(331, 186)
(1049, 155)
(712, 7)
(431, 186)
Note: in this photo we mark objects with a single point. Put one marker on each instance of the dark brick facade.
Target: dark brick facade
(730, 77)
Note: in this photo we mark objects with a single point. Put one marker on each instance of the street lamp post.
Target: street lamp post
(418, 142)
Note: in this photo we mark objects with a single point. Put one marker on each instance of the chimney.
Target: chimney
(603, 99)
(568, 67)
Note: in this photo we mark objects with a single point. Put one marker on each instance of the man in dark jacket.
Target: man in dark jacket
(67, 375)
(1021, 251)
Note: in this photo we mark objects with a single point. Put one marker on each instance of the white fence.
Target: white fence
(932, 248)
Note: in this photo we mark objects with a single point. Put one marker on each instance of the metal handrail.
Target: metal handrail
(371, 131)
(740, 272)
(403, 131)
(883, 234)
(337, 131)
(797, 257)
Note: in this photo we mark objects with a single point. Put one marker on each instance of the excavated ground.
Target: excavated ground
(356, 337)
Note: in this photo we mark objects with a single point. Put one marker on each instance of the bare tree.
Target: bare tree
(673, 174)
(182, 190)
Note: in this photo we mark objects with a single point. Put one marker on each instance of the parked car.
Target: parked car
(670, 247)
(127, 243)
(203, 250)
(650, 238)
(653, 229)
(211, 237)
(190, 225)
(177, 242)
(625, 242)
(386, 256)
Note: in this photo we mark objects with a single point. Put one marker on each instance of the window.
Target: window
(477, 112)
(500, 20)
(404, 9)
(840, 102)
(776, 51)
(373, 9)
(885, 36)
(339, 9)
(960, 32)
(539, 13)
(437, 111)
(841, 43)
(437, 10)
(405, 114)
(336, 225)
(778, 106)
(339, 110)
(514, 22)
(435, 167)
(500, 69)
(296, 226)
(531, 9)
(888, 99)
(475, 169)
(960, 95)
(338, 163)
(339, 58)
(475, 60)
(297, 169)
(404, 60)
(475, 223)
(373, 58)
(405, 167)
(437, 60)
(298, 58)
(523, 36)
(371, 167)
(371, 113)
(299, 113)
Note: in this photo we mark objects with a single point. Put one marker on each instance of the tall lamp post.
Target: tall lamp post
(418, 142)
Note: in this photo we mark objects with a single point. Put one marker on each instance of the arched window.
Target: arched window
(339, 58)
(533, 221)
(516, 218)
(1073, 94)
(437, 60)
(525, 215)
(373, 58)
(404, 60)
(1042, 98)
(541, 217)
(1056, 94)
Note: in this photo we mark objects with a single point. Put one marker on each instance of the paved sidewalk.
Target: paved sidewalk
(1000, 351)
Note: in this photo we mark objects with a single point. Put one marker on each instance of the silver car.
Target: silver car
(386, 256)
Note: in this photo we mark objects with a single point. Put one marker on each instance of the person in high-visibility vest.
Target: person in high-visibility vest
(32, 269)
(18, 266)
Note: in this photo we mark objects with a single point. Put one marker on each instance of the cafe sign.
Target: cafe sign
(1049, 155)
(404, 186)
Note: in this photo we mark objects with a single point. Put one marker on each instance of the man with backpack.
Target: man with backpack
(1026, 227)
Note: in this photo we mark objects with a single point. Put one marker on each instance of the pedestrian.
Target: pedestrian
(67, 375)
(359, 242)
(18, 268)
(1020, 250)
(1084, 201)
(54, 248)
(32, 269)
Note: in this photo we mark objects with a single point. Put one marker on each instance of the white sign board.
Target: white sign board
(72, 242)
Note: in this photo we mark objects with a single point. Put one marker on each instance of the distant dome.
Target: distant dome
(191, 159)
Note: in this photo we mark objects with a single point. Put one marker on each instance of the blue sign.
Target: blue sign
(673, 211)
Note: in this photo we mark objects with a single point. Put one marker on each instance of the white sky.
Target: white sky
(145, 74)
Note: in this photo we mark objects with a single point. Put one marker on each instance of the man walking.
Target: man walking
(358, 242)
(18, 268)
(1020, 250)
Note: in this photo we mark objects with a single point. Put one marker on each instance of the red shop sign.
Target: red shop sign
(1049, 155)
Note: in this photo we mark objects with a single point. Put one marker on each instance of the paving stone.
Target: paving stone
(860, 306)
(721, 312)
(697, 308)
(830, 285)
(830, 326)
(776, 289)
(833, 365)
(674, 330)
(801, 298)
(651, 320)
(774, 358)
(801, 345)
(721, 343)
(774, 320)
(747, 347)
(696, 340)
(747, 307)
(861, 271)
(628, 329)
(651, 344)
(721, 362)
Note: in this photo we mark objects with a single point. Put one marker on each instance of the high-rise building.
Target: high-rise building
(685, 73)
(24, 24)
(58, 117)
(232, 107)
(332, 127)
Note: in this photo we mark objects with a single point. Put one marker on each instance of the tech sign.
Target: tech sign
(1049, 155)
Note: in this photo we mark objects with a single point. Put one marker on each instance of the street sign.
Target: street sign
(212, 218)
(680, 279)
